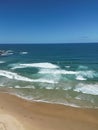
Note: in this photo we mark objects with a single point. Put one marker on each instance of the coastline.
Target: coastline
(17, 113)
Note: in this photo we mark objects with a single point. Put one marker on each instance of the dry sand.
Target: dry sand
(19, 114)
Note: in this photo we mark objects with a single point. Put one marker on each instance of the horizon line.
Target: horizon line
(50, 43)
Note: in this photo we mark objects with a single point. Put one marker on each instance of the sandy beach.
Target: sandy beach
(19, 114)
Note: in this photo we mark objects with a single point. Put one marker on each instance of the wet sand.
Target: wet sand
(19, 114)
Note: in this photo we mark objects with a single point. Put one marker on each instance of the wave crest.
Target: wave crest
(15, 76)
(37, 65)
(87, 88)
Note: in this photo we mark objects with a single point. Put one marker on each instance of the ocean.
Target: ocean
(54, 73)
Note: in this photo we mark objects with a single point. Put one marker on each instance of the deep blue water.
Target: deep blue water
(57, 73)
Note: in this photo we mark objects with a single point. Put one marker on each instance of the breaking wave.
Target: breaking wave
(37, 65)
(87, 88)
(80, 78)
(15, 76)
(78, 75)
(52, 69)
(47, 71)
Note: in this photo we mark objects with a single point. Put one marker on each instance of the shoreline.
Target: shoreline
(27, 115)
(46, 102)
(13, 93)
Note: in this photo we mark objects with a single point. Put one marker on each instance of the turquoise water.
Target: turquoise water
(56, 73)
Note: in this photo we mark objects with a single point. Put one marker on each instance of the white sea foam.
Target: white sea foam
(8, 52)
(67, 66)
(56, 71)
(87, 88)
(28, 86)
(24, 53)
(15, 76)
(82, 67)
(1, 62)
(88, 74)
(49, 87)
(85, 98)
(80, 78)
(38, 65)
(67, 88)
(1, 84)
(79, 75)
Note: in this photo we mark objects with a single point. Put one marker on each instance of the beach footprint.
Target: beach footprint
(2, 126)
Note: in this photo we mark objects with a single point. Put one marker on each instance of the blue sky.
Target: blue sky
(48, 21)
